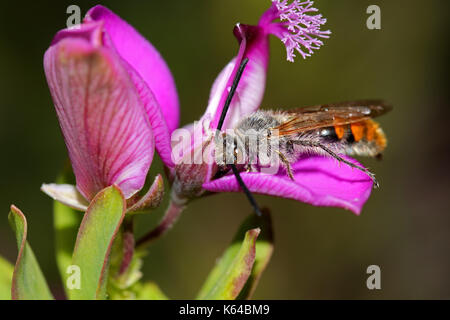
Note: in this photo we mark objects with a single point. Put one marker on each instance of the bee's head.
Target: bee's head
(228, 149)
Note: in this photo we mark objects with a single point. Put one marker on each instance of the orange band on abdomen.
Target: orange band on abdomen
(340, 131)
(358, 130)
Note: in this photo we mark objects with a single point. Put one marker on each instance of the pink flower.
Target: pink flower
(319, 181)
(115, 99)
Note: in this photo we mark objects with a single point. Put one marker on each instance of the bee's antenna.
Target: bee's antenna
(219, 127)
(246, 191)
(231, 93)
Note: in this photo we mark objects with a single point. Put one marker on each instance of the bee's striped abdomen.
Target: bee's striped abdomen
(364, 138)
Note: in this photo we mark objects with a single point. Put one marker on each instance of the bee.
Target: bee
(332, 130)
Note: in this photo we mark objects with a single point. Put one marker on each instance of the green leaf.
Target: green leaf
(28, 282)
(264, 250)
(229, 276)
(66, 222)
(6, 273)
(93, 245)
(150, 291)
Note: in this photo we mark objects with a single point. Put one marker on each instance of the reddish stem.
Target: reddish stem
(171, 215)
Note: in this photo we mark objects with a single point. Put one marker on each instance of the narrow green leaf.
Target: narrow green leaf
(66, 222)
(93, 245)
(230, 274)
(6, 273)
(28, 282)
(264, 250)
(150, 291)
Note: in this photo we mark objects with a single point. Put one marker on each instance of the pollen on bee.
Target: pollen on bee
(375, 133)
(371, 128)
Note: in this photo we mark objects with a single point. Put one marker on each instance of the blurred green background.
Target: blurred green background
(320, 253)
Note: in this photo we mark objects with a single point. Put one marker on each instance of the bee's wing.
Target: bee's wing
(327, 115)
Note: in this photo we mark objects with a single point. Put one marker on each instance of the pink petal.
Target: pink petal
(254, 44)
(150, 74)
(102, 118)
(160, 131)
(144, 58)
(320, 181)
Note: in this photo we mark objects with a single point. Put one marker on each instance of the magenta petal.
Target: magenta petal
(320, 181)
(148, 71)
(254, 44)
(102, 118)
(159, 126)
(144, 58)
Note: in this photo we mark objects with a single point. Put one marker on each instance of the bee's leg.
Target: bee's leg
(286, 164)
(339, 158)
(250, 168)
